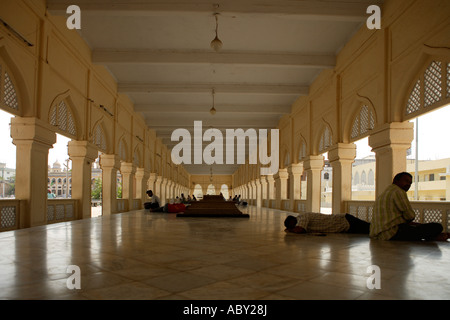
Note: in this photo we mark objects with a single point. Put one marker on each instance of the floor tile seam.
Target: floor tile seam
(274, 291)
(183, 293)
(308, 281)
(93, 290)
(183, 290)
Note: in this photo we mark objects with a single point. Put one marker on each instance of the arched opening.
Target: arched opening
(326, 183)
(428, 160)
(427, 106)
(225, 192)
(119, 185)
(211, 190)
(59, 169)
(326, 176)
(7, 158)
(198, 192)
(363, 172)
(96, 188)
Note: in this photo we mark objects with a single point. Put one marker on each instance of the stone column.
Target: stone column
(82, 154)
(313, 166)
(163, 194)
(264, 197)
(295, 171)
(258, 193)
(252, 189)
(110, 164)
(341, 159)
(151, 182)
(390, 143)
(169, 193)
(141, 184)
(33, 138)
(281, 187)
(128, 170)
(158, 188)
(270, 190)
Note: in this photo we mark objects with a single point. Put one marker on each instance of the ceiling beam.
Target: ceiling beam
(320, 61)
(331, 9)
(223, 109)
(139, 87)
(229, 124)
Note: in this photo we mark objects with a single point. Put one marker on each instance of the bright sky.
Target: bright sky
(434, 140)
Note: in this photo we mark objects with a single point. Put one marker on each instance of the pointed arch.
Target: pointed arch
(285, 156)
(325, 138)
(301, 149)
(99, 137)
(137, 157)
(363, 121)
(122, 150)
(429, 89)
(287, 159)
(11, 97)
(62, 116)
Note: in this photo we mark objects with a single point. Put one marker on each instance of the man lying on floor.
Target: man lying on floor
(311, 222)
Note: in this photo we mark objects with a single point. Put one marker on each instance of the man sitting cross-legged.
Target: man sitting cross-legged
(393, 215)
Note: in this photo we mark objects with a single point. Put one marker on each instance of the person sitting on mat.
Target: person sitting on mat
(311, 222)
(154, 201)
(393, 215)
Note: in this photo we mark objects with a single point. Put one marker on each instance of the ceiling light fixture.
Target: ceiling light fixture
(213, 109)
(216, 44)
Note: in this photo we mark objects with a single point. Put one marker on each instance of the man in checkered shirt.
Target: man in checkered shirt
(311, 222)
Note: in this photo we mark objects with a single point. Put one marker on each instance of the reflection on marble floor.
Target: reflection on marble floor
(142, 255)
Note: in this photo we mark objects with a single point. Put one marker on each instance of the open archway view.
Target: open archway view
(7, 158)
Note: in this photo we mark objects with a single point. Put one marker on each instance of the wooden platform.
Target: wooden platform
(213, 206)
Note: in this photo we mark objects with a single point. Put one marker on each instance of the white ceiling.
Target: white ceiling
(159, 52)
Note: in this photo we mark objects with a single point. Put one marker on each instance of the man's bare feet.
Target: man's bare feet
(442, 237)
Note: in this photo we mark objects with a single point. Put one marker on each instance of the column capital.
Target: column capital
(109, 161)
(82, 149)
(400, 134)
(263, 179)
(142, 173)
(295, 169)
(313, 163)
(127, 168)
(342, 152)
(26, 129)
(281, 174)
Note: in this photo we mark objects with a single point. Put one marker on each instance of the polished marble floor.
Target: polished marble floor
(142, 255)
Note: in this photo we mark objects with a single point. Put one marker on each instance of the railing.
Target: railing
(136, 204)
(9, 215)
(426, 211)
(300, 206)
(60, 210)
(122, 205)
(286, 204)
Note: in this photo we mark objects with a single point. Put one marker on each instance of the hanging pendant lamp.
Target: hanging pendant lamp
(213, 109)
(216, 44)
